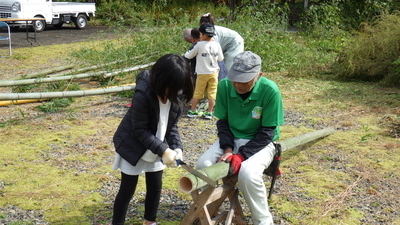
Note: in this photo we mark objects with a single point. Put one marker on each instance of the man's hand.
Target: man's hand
(225, 156)
(235, 160)
(168, 157)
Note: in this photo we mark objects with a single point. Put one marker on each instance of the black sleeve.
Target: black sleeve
(225, 135)
(263, 137)
(173, 137)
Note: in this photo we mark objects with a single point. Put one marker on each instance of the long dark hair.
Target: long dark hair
(171, 77)
(207, 18)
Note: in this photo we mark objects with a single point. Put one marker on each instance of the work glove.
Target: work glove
(179, 155)
(235, 161)
(168, 157)
(279, 172)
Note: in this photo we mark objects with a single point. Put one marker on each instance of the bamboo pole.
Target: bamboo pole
(80, 70)
(6, 83)
(45, 72)
(190, 182)
(129, 69)
(64, 94)
(302, 139)
(15, 102)
(96, 66)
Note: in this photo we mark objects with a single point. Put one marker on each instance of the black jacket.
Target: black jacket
(137, 130)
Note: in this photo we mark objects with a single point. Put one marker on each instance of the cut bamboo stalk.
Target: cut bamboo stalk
(16, 102)
(44, 72)
(64, 94)
(302, 139)
(6, 83)
(190, 182)
(96, 66)
(86, 68)
(129, 69)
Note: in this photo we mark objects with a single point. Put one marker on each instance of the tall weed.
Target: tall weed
(346, 14)
(372, 55)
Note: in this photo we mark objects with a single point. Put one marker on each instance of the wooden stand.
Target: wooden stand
(206, 204)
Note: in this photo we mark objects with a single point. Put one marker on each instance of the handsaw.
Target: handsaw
(196, 173)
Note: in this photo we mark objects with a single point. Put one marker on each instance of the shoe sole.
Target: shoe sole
(192, 116)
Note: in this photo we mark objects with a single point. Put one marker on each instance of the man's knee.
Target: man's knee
(245, 175)
(250, 173)
(203, 163)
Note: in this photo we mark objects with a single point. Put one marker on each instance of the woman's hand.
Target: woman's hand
(168, 157)
(179, 154)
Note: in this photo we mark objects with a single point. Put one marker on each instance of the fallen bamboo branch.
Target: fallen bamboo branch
(6, 83)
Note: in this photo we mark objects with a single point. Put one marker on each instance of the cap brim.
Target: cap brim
(237, 76)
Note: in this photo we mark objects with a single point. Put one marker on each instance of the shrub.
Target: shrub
(346, 14)
(373, 55)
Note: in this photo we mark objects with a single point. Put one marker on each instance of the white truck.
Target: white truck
(54, 13)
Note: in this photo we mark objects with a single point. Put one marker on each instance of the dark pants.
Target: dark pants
(126, 191)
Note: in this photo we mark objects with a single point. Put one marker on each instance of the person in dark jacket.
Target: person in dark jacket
(147, 138)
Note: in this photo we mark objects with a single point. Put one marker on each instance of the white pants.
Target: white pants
(250, 178)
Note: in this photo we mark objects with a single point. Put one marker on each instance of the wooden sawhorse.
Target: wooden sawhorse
(206, 203)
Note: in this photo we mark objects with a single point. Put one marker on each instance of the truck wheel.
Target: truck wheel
(80, 21)
(40, 25)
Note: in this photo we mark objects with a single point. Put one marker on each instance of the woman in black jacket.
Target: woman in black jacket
(147, 138)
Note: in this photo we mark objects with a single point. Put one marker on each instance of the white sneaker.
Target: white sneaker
(155, 223)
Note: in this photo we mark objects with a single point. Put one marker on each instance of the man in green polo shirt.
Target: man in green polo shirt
(249, 110)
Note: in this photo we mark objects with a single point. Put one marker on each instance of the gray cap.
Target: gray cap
(246, 65)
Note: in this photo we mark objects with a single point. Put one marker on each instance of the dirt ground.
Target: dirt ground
(65, 35)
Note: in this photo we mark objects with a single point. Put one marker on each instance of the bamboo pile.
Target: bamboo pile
(17, 98)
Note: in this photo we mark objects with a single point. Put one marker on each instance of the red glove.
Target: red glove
(279, 172)
(236, 161)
